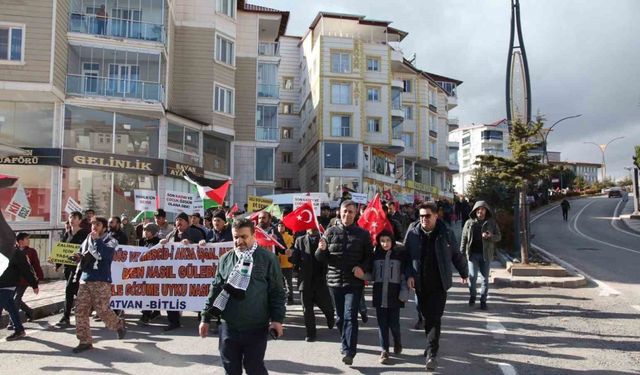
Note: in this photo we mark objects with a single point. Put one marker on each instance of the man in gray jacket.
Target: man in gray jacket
(479, 236)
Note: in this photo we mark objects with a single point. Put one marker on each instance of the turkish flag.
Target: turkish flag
(374, 219)
(302, 218)
(266, 240)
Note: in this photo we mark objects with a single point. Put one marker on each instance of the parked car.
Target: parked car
(615, 192)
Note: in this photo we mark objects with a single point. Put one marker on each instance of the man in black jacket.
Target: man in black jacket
(18, 268)
(431, 248)
(347, 250)
(312, 281)
(115, 231)
(76, 235)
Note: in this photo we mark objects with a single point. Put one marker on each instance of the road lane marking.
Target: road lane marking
(496, 328)
(615, 221)
(507, 369)
(543, 213)
(575, 227)
(605, 291)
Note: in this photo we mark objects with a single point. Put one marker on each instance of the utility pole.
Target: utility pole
(603, 149)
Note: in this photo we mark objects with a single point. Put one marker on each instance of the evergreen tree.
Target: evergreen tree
(91, 202)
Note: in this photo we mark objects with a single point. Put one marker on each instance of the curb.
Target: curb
(39, 312)
(576, 280)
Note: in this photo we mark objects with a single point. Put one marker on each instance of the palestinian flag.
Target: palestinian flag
(215, 190)
(7, 236)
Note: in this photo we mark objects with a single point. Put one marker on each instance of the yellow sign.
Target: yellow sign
(257, 203)
(62, 251)
(422, 187)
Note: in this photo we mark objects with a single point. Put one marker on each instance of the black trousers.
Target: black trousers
(174, 318)
(287, 279)
(318, 295)
(432, 305)
(70, 290)
(565, 214)
(243, 349)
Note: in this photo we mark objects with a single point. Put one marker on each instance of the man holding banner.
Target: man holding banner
(248, 294)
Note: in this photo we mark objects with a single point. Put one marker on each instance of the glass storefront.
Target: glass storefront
(216, 155)
(334, 186)
(34, 185)
(26, 124)
(108, 193)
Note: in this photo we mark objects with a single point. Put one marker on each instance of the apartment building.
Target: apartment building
(370, 120)
(473, 141)
(110, 96)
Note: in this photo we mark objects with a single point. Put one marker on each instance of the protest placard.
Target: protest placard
(299, 200)
(360, 198)
(72, 206)
(177, 202)
(62, 251)
(257, 203)
(145, 200)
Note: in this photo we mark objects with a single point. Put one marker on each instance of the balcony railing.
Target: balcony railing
(268, 91)
(114, 88)
(116, 27)
(266, 134)
(268, 49)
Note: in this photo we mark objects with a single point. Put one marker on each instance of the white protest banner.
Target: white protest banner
(19, 205)
(72, 206)
(177, 202)
(299, 200)
(172, 277)
(145, 200)
(198, 205)
(360, 198)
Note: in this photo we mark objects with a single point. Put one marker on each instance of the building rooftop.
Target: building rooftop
(361, 20)
(244, 6)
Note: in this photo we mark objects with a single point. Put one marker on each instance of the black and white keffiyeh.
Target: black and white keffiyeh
(238, 281)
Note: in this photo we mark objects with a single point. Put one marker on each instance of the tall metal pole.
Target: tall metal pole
(518, 85)
(603, 149)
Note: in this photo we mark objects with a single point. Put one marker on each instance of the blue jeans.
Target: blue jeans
(477, 263)
(388, 318)
(347, 303)
(7, 303)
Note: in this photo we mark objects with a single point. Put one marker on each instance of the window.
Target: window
(373, 64)
(373, 125)
(341, 126)
(334, 186)
(225, 50)
(407, 138)
(26, 124)
(433, 98)
(287, 133)
(183, 144)
(408, 85)
(287, 83)
(491, 135)
(341, 62)
(433, 123)
(34, 187)
(223, 100)
(287, 157)
(264, 164)
(285, 183)
(226, 7)
(341, 93)
(123, 78)
(11, 43)
(216, 154)
(433, 149)
(408, 112)
(287, 108)
(373, 94)
(341, 155)
(267, 123)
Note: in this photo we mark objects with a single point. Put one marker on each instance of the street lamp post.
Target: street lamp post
(603, 148)
(545, 157)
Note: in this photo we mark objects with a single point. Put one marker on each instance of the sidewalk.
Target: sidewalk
(625, 217)
(49, 301)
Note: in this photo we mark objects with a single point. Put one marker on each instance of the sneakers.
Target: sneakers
(397, 348)
(384, 358)
(63, 323)
(16, 335)
(364, 317)
(347, 360)
(30, 316)
(122, 331)
(483, 305)
(82, 347)
(472, 301)
(432, 364)
(310, 338)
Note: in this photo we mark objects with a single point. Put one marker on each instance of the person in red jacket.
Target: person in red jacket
(22, 241)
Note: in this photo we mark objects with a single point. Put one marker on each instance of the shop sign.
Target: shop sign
(34, 156)
(118, 163)
(175, 169)
(422, 187)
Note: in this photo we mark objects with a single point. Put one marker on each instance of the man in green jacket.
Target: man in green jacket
(247, 293)
(479, 236)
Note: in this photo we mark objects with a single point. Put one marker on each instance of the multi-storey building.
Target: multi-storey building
(109, 96)
(370, 120)
(473, 141)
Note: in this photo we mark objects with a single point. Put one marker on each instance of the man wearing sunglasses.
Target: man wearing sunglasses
(432, 248)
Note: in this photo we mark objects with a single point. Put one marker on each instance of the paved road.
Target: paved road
(595, 241)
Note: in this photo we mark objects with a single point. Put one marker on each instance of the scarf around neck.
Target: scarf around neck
(239, 278)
